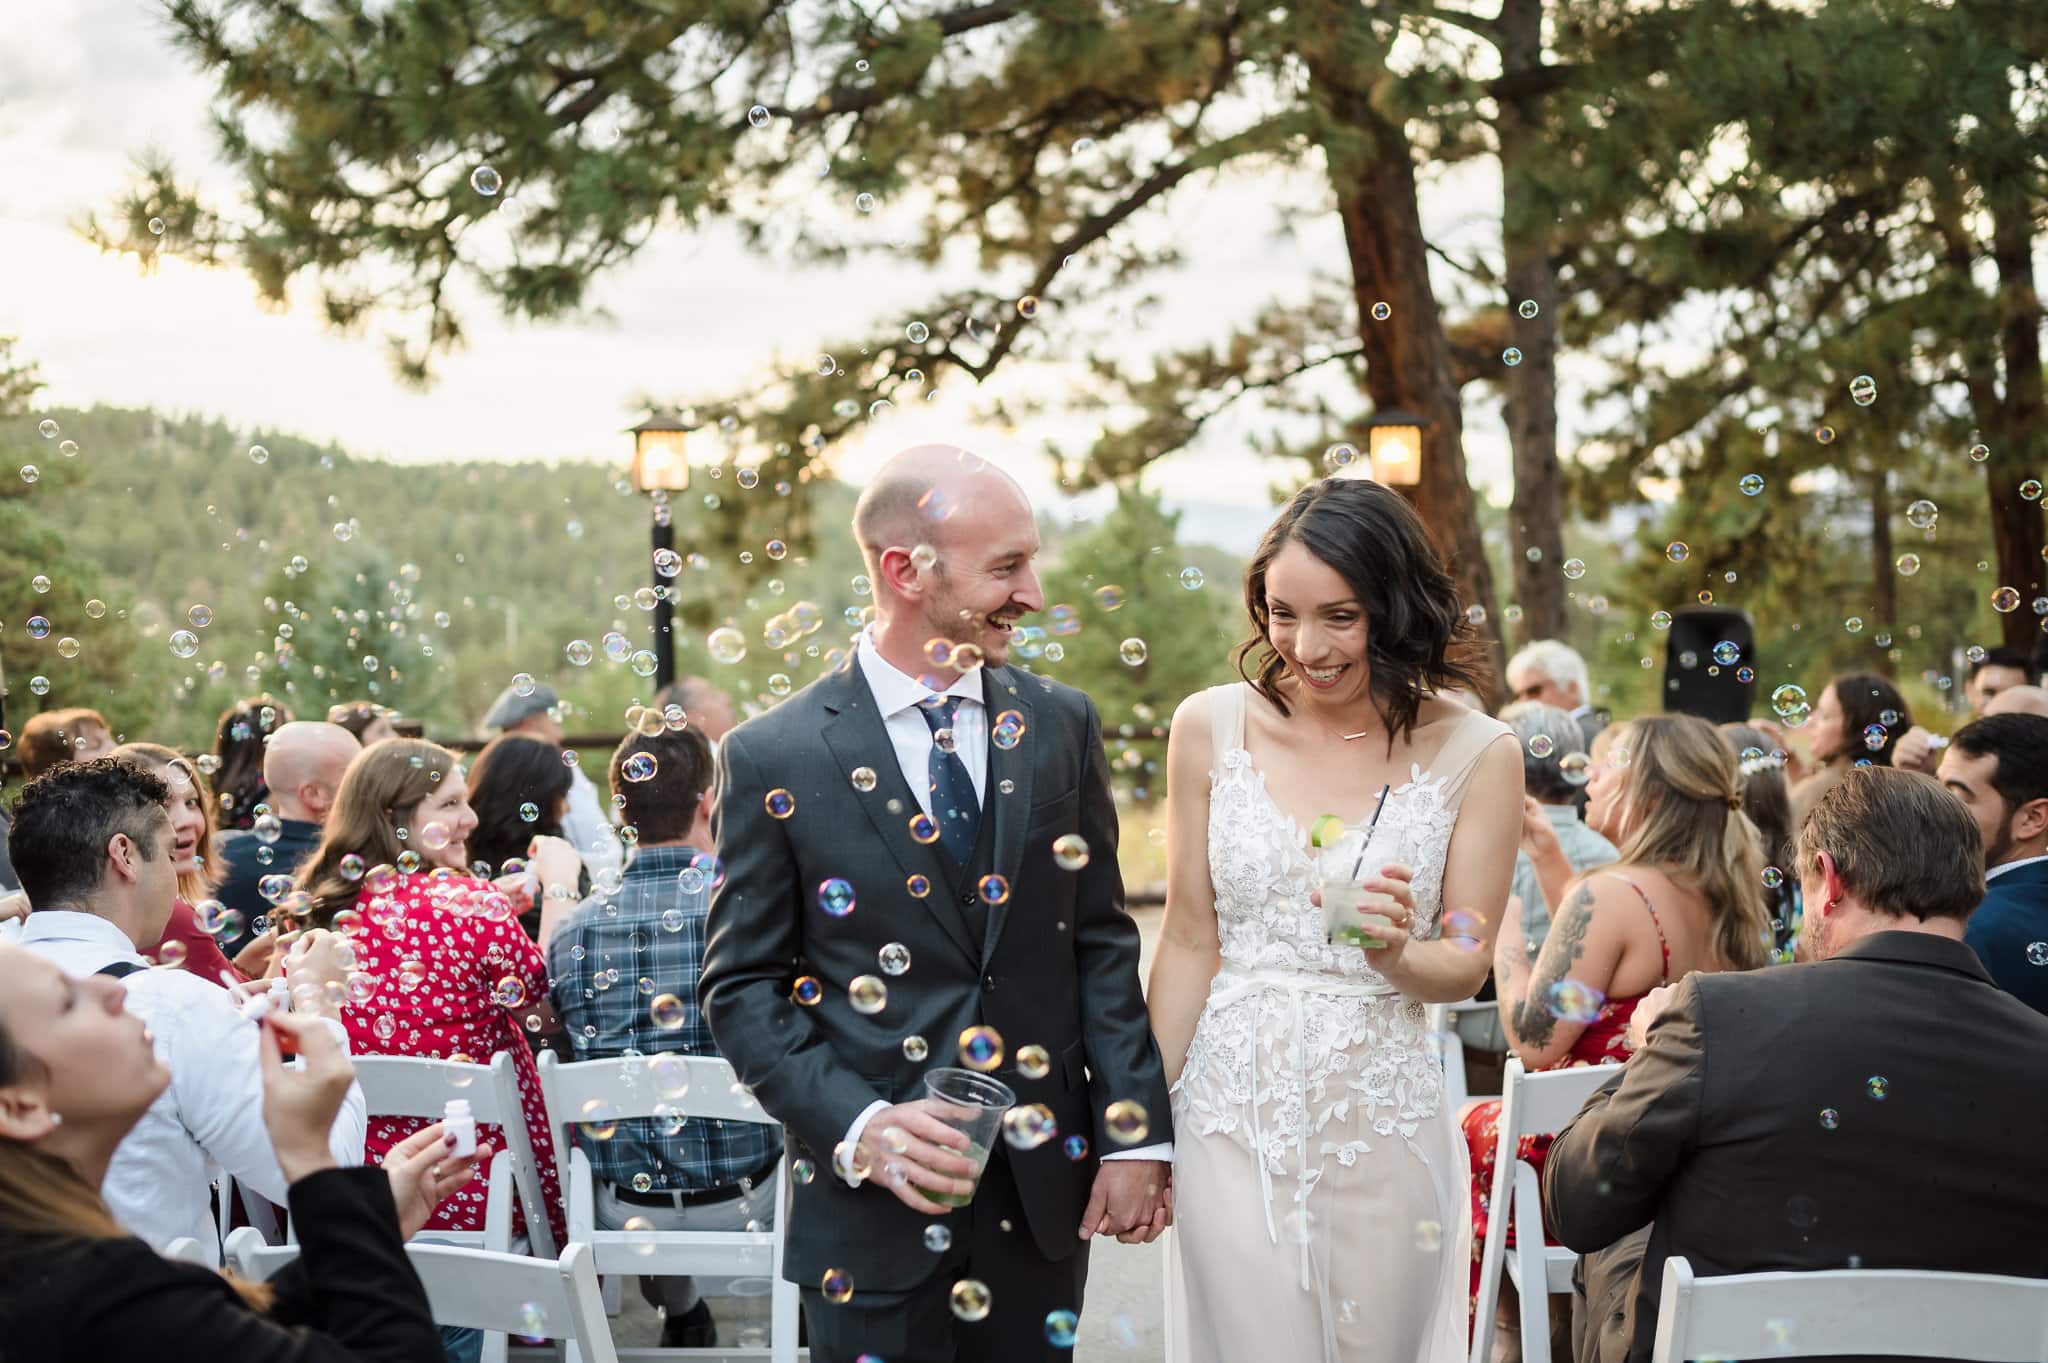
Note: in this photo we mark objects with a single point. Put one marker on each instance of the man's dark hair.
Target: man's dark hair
(2020, 743)
(2006, 657)
(1902, 843)
(63, 819)
(662, 806)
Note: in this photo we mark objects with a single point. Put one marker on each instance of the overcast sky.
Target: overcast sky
(85, 85)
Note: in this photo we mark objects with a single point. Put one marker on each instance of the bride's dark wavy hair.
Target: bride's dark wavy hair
(1417, 637)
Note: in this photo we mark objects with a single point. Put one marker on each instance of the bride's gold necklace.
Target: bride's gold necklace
(1309, 707)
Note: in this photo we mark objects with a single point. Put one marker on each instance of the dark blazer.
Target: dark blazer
(1057, 966)
(241, 853)
(2012, 919)
(1879, 1109)
(350, 1297)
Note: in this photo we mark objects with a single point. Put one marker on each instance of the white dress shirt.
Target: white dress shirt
(1994, 872)
(586, 825)
(210, 1117)
(897, 696)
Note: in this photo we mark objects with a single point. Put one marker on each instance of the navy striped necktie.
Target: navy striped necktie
(954, 805)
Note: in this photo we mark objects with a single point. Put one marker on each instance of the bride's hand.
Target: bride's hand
(1391, 895)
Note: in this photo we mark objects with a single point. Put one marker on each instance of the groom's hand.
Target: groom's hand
(911, 1152)
(1131, 1200)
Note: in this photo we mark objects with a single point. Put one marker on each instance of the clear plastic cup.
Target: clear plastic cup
(1342, 868)
(973, 1104)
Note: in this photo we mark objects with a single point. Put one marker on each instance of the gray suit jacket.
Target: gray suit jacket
(1057, 966)
(1882, 1108)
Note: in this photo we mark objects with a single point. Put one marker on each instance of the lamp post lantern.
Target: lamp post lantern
(1394, 449)
(660, 468)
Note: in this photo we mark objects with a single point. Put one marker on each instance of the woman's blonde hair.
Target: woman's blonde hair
(193, 886)
(382, 787)
(1681, 812)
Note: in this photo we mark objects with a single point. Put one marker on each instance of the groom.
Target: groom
(907, 807)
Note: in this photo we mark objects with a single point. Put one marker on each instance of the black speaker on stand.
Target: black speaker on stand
(1697, 680)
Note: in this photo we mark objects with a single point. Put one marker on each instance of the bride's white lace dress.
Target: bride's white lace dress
(1320, 1186)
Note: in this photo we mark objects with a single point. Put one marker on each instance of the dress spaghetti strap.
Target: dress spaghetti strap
(1459, 757)
(1662, 944)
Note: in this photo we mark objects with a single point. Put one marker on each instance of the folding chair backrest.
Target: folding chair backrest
(1543, 1103)
(412, 1086)
(554, 1298)
(692, 1086)
(186, 1250)
(1851, 1312)
(251, 1257)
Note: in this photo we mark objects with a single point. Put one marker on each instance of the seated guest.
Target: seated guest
(1852, 710)
(1552, 827)
(237, 767)
(1767, 800)
(1870, 1108)
(77, 1076)
(188, 942)
(302, 767)
(1685, 894)
(519, 789)
(366, 722)
(1998, 767)
(585, 823)
(455, 977)
(706, 709)
(75, 735)
(1551, 671)
(706, 1175)
(93, 844)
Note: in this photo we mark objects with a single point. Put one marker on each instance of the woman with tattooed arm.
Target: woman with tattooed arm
(1686, 894)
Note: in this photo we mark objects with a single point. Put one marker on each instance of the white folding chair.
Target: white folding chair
(409, 1086)
(699, 1088)
(498, 1293)
(263, 1214)
(1853, 1312)
(186, 1250)
(1531, 1105)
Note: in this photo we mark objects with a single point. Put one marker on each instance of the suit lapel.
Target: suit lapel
(857, 738)
(1005, 690)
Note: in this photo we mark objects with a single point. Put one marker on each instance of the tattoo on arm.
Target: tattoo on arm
(1534, 1023)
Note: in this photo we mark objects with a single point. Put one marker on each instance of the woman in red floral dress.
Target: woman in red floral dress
(445, 970)
(1687, 894)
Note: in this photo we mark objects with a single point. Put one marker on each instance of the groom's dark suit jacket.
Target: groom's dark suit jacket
(1936, 1088)
(1054, 966)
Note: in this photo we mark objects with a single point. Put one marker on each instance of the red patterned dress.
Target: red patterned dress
(1604, 1042)
(453, 974)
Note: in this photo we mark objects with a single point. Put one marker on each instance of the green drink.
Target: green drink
(977, 1153)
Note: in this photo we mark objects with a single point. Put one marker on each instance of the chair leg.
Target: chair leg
(783, 1313)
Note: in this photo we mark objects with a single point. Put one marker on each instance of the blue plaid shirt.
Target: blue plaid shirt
(651, 929)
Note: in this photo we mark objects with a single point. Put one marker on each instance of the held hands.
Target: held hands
(912, 1152)
(299, 1103)
(1132, 1200)
(423, 1169)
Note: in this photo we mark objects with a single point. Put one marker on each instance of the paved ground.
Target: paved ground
(1121, 1323)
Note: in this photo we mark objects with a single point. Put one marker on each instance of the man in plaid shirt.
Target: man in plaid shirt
(625, 968)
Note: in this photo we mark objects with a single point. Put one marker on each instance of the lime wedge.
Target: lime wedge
(1325, 831)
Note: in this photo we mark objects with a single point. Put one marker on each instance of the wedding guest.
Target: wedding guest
(302, 767)
(1555, 770)
(2018, 700)
(186, 941)
(77, 1076)
(238, 748)
(531, 709)
(1998, 767)
(369, 723)
(1551, 671)
(1763, 1120)
(705, 1175)
(73, 735)
(519, 790)
(1683, 895)
(1991, 677)
(93, 844)
(455, 977)
(1859, 718)
(708, 709)
(1767, 800)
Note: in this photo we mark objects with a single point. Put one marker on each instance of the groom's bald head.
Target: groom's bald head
(919, 493)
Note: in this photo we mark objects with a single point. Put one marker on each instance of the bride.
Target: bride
(1319, 1183)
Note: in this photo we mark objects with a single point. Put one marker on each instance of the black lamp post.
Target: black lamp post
(660, 468)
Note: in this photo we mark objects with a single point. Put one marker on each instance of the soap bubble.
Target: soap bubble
(1921, 514)
(1191, 578)
(1979, 453)
(579, 652)
(1127, 1121)
(1528, 308)
(758, 116)
(1511, 357)
(971, 1299)
(1574, 1000)
(1033, 1062)
(981, 1048)
(1381, 312)
(1752, 484)
(837, 1285)
(726, 644)
(1133, 652)
(836, 897)
(1677, 551)
(1909, 564)
(1863, 390)
(485, 180)
(666, 1012)
(1541, 746)
(184, 643)
(1028, 1126)
(867, 995)
(779, 803)
(1575, 568)
(2005, 600)
(1070, 851)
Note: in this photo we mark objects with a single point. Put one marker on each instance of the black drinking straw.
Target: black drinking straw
(1366, 842)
